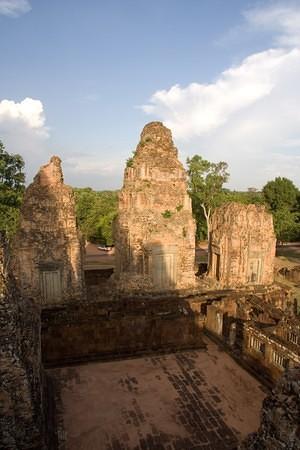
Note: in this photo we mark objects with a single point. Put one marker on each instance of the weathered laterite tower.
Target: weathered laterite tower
(155, 230)
(48, 247)
(242, 246)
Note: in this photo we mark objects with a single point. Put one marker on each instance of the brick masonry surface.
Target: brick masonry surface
(188, 400)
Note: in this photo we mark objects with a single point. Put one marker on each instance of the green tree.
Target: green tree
(245, 197)
(286, 224)
(206, 181)
(12, 180)
(282, 197)
(281, 193)
(95, 212)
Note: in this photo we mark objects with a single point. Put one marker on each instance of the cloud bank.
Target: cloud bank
(249, 116)
(28, 112)
(284, 21)
(14, 8)
(23, 130)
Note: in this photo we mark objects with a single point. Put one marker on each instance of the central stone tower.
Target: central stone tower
(154, 230)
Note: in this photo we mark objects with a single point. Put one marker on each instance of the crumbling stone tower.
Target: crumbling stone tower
(154, 230)
(48, 247)
(242, 247)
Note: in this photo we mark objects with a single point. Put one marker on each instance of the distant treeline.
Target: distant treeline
(96, 210)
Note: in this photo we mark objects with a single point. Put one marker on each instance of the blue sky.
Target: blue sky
(81, 78)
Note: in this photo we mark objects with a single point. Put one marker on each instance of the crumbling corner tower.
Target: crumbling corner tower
(47, 250)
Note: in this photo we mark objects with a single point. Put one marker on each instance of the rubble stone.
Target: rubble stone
(48, 247)
(155, 230)
(280, 417)
(242, 247)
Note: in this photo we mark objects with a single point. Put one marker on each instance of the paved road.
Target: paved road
(290, 251)
(95, 258)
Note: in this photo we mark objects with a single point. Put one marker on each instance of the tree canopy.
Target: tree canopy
(206, 181)
(245, 197)
(281, 193)
(95, 212)
(283, 199)
(12, 180)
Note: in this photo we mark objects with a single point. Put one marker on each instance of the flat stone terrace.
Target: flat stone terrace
(188, 400)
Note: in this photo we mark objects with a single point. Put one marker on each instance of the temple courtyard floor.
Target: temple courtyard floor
(188, 400)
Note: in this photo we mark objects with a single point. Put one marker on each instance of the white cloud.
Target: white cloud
(250, 115)
(29, 111)
(284, 21)
(14, 8)
(199, 109)
(23, 130)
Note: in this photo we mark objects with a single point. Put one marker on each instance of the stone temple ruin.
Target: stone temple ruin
(48, 248)
(242, 246)
(155, 229)
(21, 393)
(153, 304)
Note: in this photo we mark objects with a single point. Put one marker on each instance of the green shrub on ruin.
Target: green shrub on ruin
(12, 180)
(167, 214)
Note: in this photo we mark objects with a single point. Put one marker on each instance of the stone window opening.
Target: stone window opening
(219, 323)
(232, 334)
(256, 344)
(164, 265)
(254, 271)
(279, 360)
(293, 337)
(50, 285)
(216, 265)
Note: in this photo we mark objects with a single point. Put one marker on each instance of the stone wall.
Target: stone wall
(118, 329)
(273, 346)
(288, 329)
(265, 337)
(291, 274)
(155, 230)
(242, 247)
(21, 414)
(145, 323)
(266, 351)
(48, 248)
